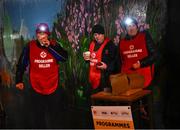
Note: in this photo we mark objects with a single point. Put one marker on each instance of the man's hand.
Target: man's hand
(136, 65)
(46, 42)
(20, 86)
(101, 65)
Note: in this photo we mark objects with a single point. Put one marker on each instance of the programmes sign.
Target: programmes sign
(112, 117)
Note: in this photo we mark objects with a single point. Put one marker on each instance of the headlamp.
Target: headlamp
(42, 28)
(128, 21)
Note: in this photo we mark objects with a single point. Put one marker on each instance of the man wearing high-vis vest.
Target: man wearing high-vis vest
(101, 57)
(138, 55)
(42, 56)
(137, 51)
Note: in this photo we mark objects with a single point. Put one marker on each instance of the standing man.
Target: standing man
(137, 51)
(102, 54)
(42, 56)
(138, 55)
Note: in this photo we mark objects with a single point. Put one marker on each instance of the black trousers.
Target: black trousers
(47, 110)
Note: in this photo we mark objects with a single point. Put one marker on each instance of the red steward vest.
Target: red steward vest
(43, 70)
(132, 51)
(96, 56)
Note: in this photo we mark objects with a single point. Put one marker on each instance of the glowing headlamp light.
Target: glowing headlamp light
(128, 21)
(42, 28)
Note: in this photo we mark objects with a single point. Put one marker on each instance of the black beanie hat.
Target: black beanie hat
(98, 29)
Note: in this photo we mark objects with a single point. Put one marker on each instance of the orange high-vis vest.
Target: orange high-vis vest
(131, 51)
(96, 56)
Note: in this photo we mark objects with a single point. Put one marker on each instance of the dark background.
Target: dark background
(172, 56)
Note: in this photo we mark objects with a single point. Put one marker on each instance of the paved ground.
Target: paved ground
(18, 111)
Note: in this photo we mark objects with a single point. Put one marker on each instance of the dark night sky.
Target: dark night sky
(33, 12)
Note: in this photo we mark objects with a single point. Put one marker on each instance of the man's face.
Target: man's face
(132, 29)
(99, 38)
(42, 37)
